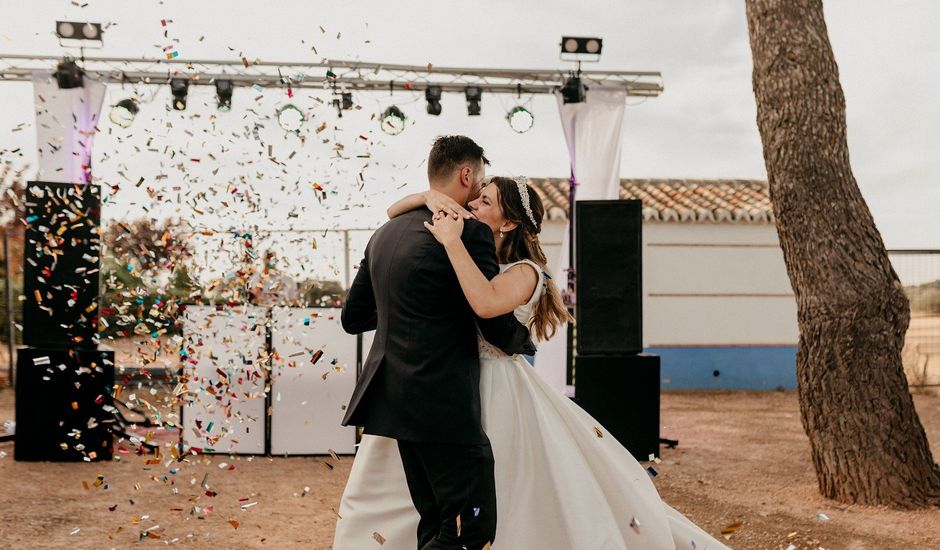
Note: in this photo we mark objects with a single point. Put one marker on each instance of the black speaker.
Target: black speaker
(622, 393)
(63, 399)
(61, 265)
(609, 271)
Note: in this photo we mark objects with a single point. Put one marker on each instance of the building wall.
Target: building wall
(717, 306)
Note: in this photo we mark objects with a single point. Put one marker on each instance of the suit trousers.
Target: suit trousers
(454, 490)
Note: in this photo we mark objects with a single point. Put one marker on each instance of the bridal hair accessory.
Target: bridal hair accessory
(524, 193)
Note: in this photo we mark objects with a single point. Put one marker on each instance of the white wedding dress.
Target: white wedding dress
(562, 482)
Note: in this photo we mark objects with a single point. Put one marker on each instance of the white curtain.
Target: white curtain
(594, 133)
(66, 123)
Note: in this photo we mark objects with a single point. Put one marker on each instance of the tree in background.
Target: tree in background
(868, 445)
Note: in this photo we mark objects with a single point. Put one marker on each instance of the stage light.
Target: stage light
(223, 93)
(520, 119)
(573, 91)
(347, 101)
(473, 94)
(123, 112)
(291, 118)
(77, 33)
(179, 87)
(68, 74)
(393, 121)
(574, 48)
(433, 95)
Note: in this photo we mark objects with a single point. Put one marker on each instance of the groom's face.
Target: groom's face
(478, 175)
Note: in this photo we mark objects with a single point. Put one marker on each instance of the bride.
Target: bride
(562, 482)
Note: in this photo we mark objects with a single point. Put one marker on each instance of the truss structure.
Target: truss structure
(332, 74)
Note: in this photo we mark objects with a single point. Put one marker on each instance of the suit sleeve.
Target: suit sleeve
(504, 332)
(359, 313)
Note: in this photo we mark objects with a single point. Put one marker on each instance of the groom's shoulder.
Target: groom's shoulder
(476, 229)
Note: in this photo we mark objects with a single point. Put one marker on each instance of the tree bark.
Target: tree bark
(868, 445)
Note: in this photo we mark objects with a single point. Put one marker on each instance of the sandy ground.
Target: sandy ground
(742, 457)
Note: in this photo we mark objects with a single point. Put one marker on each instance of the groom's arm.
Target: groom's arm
(504, 332)
(359, 313)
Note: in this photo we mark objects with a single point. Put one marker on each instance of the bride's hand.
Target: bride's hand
(445, 228)
(439, 202)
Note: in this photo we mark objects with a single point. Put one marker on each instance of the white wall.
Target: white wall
(708, 284)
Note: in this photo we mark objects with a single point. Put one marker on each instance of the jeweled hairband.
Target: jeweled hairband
(524, 193)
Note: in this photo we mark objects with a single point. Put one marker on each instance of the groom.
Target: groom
(421, 382)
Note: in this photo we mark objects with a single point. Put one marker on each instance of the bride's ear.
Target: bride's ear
(508, 226)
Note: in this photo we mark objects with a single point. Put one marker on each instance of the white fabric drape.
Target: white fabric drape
(594, 133)
(66, 123)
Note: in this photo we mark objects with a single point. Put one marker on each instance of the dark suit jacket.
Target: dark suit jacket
(421, 381)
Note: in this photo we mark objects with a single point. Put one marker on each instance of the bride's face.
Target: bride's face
(486, 208)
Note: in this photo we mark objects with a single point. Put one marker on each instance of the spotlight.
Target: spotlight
(433, 95)
(573, 91)
(473, 94)
(347, 101)
(179, 88)
(520, 119)
(574, 48)
(78, 34)
(290, 117)
(68, 74)
(393, 121)
(223, 93)
(123, 112)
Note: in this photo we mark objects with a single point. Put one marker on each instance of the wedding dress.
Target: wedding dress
(562, 481)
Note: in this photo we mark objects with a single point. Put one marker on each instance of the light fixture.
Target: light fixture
(573, 91)
(576, 48)
(520, 119)
(473, 94)
(393, 121)
(223, 94)
(433, 95)
(290, 117)
(78, 34)
(68, 74)
(347, 101)
(123, 112)
(179, 87)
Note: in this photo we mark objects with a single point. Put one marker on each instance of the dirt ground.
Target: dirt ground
(742, 457)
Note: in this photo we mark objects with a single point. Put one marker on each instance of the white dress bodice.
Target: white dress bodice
(523, 313)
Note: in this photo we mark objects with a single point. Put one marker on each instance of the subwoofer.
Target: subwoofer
(622, 393)
(609, 277)
(63, 404)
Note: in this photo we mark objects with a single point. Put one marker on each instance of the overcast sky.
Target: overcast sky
(703, 126)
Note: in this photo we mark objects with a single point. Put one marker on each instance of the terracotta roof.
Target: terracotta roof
(676, 200)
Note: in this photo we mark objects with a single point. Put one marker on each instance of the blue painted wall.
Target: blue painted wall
(738, 368)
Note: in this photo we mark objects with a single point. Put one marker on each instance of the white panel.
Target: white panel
(225, 412)
(718, 321)
(711, 270)
(309, 398)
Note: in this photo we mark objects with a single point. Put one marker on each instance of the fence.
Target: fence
(919, 271)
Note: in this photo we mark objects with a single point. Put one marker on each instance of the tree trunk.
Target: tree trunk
(868, 445)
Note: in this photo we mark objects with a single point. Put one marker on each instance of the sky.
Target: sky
(702, 126)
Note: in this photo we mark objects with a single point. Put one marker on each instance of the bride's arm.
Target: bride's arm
(488, 298)
(434, 200)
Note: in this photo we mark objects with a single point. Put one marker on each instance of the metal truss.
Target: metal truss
(331, 74)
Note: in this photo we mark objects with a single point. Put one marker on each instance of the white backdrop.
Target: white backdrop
(66, 122)
(226, 379)
(594, 132)
(309, 398)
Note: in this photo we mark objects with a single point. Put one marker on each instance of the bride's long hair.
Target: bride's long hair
(522, 243)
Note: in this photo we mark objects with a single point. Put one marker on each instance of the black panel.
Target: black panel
(609, 277)
(622, 393)
(52, 402)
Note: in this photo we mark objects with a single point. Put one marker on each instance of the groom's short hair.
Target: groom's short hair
(449, 153)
